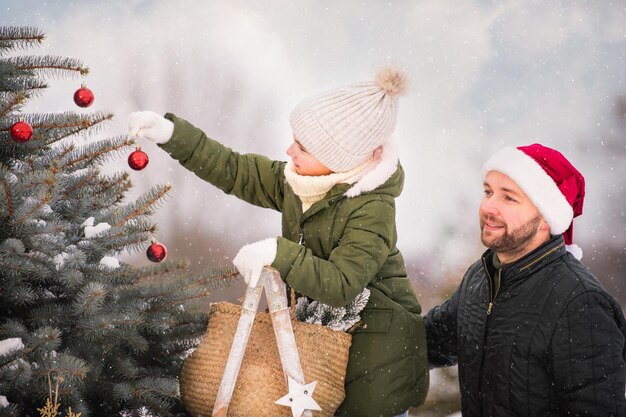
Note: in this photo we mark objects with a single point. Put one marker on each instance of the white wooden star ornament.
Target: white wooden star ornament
(299, 397)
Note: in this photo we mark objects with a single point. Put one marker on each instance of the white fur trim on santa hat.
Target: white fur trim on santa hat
(537, 185)
(575, 250)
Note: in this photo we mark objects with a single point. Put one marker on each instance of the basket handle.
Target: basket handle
(292, 307)
(276, 294)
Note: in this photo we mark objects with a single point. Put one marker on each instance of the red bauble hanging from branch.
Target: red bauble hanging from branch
(138, 159)
(156, 252)
(83, 97)
(21, 132)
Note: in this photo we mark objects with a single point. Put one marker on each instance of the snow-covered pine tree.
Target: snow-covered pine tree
(112, 336)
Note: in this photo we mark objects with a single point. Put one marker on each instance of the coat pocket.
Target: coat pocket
(375, 320)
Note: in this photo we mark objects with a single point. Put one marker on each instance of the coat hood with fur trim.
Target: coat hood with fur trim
(379, 175)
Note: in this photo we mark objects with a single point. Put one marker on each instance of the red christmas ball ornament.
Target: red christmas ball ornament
(156, 252)
(21, 132)
(83, 97)
(138, 159)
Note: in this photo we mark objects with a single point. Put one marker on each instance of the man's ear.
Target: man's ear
(544, 226)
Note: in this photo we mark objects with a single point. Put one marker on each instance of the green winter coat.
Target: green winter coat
(349, 243)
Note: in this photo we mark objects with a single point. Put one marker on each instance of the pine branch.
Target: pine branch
(95, 153)
(90, 299)
(182, 325)
(220, 277)
(109, 183)
(185, 336)
(16, 263)
(166, 268)
(71, 280)
(45, 339)
(15, 37)
(13, 328)
(38, 178)
(7, 202)
(36, 207)
(114, 328)
(71, 368)
(167, 301)
(55, 127)
(103, 196)
(48, 129)
(48, 66)
(50, 314)
(112, 277)
(48, 238)
(156, 394)
(109, 191)
(162, 294)
(145, 203)
(12, 375)
(14, 84)
(84, 180)
(130, 237)
(11, 349)
(21, 295)
(12, 104)
(66, 150)
(67, 120)
(125, 368)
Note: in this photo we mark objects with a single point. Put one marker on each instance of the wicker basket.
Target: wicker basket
(323, 355)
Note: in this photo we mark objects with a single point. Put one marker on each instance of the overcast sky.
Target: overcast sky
(483, 75)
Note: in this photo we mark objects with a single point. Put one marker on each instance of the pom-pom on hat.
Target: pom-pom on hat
(341, 128)
(551, 182)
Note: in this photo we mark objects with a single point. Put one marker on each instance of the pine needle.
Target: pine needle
(14, 37)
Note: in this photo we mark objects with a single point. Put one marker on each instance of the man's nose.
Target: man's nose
(489, 206)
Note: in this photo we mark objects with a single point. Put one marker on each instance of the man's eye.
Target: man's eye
(487, 193)
(509, 198)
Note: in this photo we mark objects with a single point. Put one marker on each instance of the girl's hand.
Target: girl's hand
(253, 257)
(149, 125)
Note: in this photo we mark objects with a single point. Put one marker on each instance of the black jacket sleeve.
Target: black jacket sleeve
(441, 333)
(587, 357)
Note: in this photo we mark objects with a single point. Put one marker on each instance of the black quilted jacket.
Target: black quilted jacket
(550, 341)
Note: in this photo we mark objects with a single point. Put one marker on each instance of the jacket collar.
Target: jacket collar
(533, 261)
(378, 174)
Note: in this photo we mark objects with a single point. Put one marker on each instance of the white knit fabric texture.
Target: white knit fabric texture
(312, 189)
(342, 128)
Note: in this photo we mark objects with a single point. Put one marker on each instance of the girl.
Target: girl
(336, 196)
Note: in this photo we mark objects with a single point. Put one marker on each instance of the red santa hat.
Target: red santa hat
(550, 181)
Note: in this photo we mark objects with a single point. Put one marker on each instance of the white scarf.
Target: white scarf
(312, 189)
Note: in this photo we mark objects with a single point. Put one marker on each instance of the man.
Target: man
(532, 330)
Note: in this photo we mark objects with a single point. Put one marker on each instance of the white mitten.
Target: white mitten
(251, 259)
(149, 125)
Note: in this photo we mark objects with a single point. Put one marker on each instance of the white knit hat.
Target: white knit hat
(342, 128)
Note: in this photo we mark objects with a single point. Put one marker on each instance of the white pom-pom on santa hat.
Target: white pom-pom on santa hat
(550, 181)
(575, 250)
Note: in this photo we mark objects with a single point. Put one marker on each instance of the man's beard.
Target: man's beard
(513, 241)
